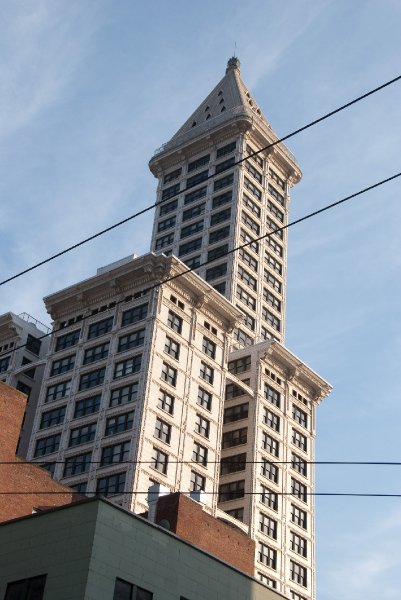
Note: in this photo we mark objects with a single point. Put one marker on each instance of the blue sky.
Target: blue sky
(90, 89)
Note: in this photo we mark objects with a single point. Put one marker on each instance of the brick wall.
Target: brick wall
(23, 487)
(189, 521)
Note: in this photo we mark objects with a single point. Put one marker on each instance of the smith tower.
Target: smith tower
(213, 199)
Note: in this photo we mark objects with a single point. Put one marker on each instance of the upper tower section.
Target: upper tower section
(229, 103)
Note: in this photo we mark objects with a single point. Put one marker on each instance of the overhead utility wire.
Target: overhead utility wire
(189, 270)
(141, 212)
(41, 463)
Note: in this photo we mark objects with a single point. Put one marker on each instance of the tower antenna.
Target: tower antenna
(235, 49)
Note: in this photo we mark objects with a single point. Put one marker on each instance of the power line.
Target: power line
(244, 245)
(145, 210)
(191, 462)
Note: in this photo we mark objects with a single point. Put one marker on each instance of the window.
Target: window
(82, 435)
(119, 423)
(92, 379)
(133, 315)
(277, 179)
(215, 272)
(243, 338)
(248, 260)
(166, 224)
(219, 234)
(275, 211)
(226, 164)
(272, 395)
(199, 162)
(115, 454)
(235, 437)
(169, 374)
(195, 211)
(166, 402)
(299, 416)
(100, 328)
(132, 340)
(272, 583)
(273, 263)
(174, 322)
(268, 497)
(299, 544)
(249, 241)
(193, 262)
(253, 226)
(123, 395)
(198, 482)
(298, 573)
(275, 246)
(237, 513)
(271, 299)
(299, 464)
(67, 340)
(61, 366)
(26, 589)
(220, 217)
(164, 241)
(123, 590)
(96, 353)
(246, 298)
(236, 413)
(110, 485)
(159, 461)
(272, 281)
(267, 556)
(254, 172)
(172, 175)
(269, 470)
(171, 191)
(233, 464)
(233, 391)
(195, 195)
(253, 207)
(172, 348)
(207, 373)
(255, 191)
(270, 444)
(247, 278)
(26, 389)
(162, 431)
(299, 440)
(209, 347)
(299, 490)
(271, 419)
(223, 182)
(202, 426)
(220, 287)
(296, 596)
(196, 179)
(299, 516)
(48, 444)
(222, 199)
(87, 406)
(189, 247)
(167, 208)
(231, 491)
(204, 399)
(75, 465)
(217, 252)
(268, 526)
(4, 362)
(128, 366)
(33, 344)
(53, 417)
(273, 321)
(191, 229)
(276, 195)
(225, 149)
(60, 390)
(199, 454)
(240, 365)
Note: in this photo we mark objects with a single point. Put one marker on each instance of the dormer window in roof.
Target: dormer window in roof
(222, 100)
(193, 124)
(220, 93)
(223, 109)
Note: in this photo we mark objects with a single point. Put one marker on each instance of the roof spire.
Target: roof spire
(233, 64)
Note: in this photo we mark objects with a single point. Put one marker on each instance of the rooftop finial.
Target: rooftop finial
(233, 64)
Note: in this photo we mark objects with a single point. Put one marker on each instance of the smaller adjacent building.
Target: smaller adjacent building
(24, 487)
(23, 351)
(108, 553)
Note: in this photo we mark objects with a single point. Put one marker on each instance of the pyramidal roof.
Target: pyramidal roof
(226, 100)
